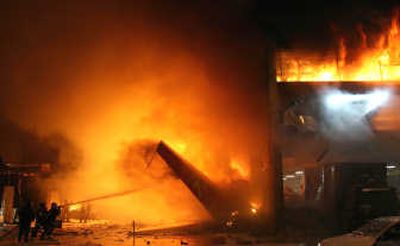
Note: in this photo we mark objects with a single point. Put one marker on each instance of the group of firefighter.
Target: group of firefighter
(45, 220)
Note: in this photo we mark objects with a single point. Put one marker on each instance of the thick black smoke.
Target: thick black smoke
(22, 146)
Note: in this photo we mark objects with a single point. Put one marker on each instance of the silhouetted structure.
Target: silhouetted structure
(19, 182)
(226, 205)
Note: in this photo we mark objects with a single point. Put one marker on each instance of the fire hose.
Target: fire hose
(123, 193)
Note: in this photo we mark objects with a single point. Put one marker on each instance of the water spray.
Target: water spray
(123, 193)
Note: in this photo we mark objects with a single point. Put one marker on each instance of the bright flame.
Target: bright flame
(381, 62)
(127, 95)
(240, 168)
(119, 137)
(74, 207)
(254, 207)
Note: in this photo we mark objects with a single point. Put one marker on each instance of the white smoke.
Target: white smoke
(346, 116)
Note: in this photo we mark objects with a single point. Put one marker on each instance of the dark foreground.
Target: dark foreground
(111, 234)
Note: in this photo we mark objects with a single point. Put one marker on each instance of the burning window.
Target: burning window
(378, 61)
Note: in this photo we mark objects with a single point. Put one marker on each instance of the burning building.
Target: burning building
(116, 77)
(341, 105)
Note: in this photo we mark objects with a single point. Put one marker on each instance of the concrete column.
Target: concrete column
(274, 195)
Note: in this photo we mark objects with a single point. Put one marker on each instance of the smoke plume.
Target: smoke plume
(111, 75)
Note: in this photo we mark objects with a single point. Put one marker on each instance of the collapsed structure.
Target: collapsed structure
(226, 205)
(337, 110)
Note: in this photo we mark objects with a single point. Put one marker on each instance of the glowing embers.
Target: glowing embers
(232, 220)
(254, 207)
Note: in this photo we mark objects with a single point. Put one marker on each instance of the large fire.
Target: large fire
(377, 62)
(110, 78)
(168, 97)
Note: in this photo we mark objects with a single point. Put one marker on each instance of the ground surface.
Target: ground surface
(96, 234)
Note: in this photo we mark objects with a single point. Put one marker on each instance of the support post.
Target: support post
(274, 168)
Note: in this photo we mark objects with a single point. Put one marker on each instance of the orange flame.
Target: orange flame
(381, 62)
(151, 110)
(74, 207)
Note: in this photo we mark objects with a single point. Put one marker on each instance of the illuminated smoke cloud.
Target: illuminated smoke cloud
(110, 75)
(346, 116)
